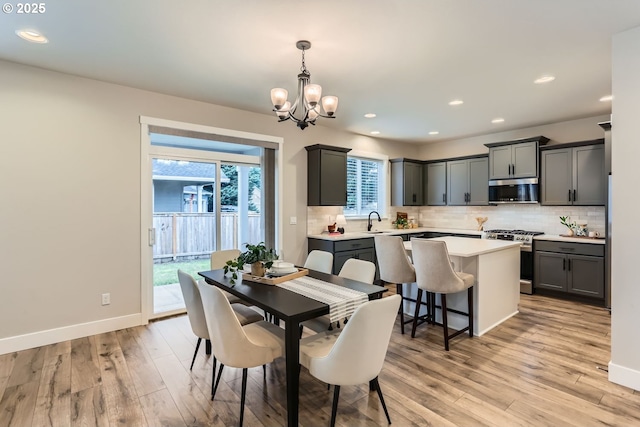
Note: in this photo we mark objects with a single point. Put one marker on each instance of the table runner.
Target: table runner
(342, 301)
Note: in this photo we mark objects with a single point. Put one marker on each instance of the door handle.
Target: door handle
(569, 195)
(513, 169)
(414, 198)
(152, 236)
(568, 265)
(574, 195)
(564, 264)
(444, 197)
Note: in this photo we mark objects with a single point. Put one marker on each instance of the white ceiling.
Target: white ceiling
(401, 59)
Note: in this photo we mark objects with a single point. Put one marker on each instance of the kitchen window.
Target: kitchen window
(365, 185)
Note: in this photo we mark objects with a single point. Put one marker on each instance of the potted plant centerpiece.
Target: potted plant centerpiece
(258, 256)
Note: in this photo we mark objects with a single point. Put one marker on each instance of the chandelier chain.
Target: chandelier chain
(303, 68)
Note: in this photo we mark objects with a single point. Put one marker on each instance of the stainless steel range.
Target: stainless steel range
(526, 255)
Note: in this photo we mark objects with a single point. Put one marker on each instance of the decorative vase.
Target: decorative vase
(570, 232)
(258, 269)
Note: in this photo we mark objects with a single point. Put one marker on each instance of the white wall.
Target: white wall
(568, 131)
(70, 182)
(625, 304)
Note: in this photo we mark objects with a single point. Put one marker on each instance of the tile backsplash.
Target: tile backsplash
(532, 217)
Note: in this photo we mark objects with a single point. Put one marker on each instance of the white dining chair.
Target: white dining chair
(354, 269)
(235, 345)
(219, 260)
(435, 274)
(321, 261)
(356, 355)
(196, 311)
(395, 267)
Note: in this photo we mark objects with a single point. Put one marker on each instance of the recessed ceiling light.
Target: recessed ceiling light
(375, 132)
(497, 120)
(32, 36)
(370, 115)
(544, 79)
(434, 132)
(456, 102)
(606, 98)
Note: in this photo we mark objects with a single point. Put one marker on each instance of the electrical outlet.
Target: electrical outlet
(293, 220)
(106, 299)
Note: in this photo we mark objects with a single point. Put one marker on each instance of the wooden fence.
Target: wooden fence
(192, 235)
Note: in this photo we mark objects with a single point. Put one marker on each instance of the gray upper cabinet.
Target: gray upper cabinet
(406, 182)
(573, 175)
(436, 183)
(515, 159)
(326, 175)
(467, 182)
(479, 181)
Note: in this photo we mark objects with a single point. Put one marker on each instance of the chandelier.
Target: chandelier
(306, 108)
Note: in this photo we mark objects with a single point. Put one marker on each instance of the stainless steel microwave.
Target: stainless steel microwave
(513, 190)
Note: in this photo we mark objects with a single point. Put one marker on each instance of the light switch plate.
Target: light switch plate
(293, 220)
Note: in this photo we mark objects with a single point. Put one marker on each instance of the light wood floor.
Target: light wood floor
(538, 368)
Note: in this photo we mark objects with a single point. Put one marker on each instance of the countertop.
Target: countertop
(465, 247)
(558, 238)
(349, 235)
(391, 231)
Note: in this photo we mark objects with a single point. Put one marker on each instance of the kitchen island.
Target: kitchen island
(496, 267)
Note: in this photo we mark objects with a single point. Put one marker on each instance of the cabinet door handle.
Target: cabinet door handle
(444, 197)
(574, 195)
(414, 198)
(564, 264)
(567, 249)
(569, 265)
(569, 195)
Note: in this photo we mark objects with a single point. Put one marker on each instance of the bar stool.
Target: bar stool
(434, 273)
(395, 267)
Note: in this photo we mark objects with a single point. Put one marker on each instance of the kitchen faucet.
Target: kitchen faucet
(369, 224)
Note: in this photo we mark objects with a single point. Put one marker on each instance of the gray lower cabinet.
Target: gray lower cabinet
(467, 181)
(436, 183)
(573, 176)
(571, 268)
(342, 250)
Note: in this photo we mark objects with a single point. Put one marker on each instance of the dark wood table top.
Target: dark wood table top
(281, 302)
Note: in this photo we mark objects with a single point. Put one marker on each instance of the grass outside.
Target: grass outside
(167, 273)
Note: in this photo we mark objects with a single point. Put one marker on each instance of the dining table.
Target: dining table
(292, 308)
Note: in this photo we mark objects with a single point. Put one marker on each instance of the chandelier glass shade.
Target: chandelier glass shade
(309, 103)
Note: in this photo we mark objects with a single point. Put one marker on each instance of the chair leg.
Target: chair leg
(334, 407)
(217, 383)
(443, 303)
(401, 309)
(384, 406)
(470, 300)
(213, 376)
(417, 313)
(243, 395)
(195, 353)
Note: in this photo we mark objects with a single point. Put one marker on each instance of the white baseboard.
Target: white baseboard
(51, 336)
(624, 376)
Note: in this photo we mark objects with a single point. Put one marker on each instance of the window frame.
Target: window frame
(383, 181)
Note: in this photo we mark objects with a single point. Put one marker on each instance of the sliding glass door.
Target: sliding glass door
(185, 224)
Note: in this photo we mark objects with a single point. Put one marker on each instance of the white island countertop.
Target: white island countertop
(466, 247)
